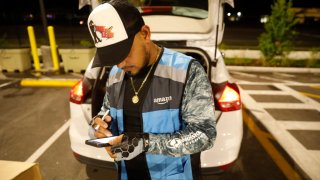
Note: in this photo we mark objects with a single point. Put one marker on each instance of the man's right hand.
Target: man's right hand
(101, 127)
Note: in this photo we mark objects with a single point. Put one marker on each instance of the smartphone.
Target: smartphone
(100, 142)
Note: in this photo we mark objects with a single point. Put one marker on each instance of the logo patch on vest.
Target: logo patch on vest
(162, 100)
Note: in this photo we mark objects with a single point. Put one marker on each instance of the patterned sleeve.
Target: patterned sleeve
(106, 104)
(197, 112)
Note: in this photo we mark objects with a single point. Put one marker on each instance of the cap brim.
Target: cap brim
(112, 54)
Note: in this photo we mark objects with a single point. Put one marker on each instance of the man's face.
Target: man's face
(137, 58)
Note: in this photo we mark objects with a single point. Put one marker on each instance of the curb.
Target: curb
(273, 69)
(256, 54)
(28, 82)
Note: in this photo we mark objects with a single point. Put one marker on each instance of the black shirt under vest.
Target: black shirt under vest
(132, 115)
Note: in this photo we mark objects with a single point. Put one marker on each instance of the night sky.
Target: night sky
(253, 4)
(72, 5)
(247, 7)
(264, 6)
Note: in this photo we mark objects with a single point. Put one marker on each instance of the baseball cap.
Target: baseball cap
(113, 26)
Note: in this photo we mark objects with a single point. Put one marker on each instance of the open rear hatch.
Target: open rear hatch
(184, 19)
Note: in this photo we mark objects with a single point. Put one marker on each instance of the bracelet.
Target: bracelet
(145, 137)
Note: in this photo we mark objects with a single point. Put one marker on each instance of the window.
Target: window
(188, 8)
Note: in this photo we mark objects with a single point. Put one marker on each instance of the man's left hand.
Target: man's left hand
(129, 148)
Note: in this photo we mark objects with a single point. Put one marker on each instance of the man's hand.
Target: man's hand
(114, 142)
(101, 126)
(128, 147)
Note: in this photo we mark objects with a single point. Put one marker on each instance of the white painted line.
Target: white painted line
(257, 83)
(5, 84)
(266, 92)
(244, 74)
(279, 80)
(316, 155)
(238, 81)
(284, 74)
(286, 106)
(253, 83)
(303, 84)
(48, 143)
(272, 83)
(299, 125)
(263, 77)
(273, 69)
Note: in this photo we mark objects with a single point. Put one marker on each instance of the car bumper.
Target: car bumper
(228, 142)
(94, 162)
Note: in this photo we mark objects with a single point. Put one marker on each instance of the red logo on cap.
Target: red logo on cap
(105, 32)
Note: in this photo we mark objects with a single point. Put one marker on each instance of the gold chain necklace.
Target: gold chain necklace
(135, 98)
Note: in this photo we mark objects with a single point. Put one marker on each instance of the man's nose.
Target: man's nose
(121, 64)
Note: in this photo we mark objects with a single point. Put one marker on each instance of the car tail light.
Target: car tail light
(226, 166)
(229, 98)
(77, 93)
(156, 9)
(217, 169)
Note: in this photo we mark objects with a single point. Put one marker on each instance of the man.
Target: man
(160, 101)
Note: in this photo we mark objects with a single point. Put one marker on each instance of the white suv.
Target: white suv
(190, 27)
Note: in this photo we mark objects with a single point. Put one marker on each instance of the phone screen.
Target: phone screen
(100, 142)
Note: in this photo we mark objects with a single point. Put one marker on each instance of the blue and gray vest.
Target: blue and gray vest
(161, 111)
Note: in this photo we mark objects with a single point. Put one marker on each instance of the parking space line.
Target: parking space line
(264, 77)
(315, 154)
(299, 96)
(5, 84)
(298, 125)
(315, 85)
(266, 92)
(263, 138)
(284, 74)
(48, 143)
(244, 74)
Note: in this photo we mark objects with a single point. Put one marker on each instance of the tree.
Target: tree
(277, 40)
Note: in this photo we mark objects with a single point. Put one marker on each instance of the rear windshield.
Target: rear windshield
(188, 8)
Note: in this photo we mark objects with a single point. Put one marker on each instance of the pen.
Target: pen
(105, 114)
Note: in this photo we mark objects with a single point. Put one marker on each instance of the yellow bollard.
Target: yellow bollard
(53, 46)
(34, 49)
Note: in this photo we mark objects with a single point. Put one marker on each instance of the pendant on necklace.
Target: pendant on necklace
(135, 99)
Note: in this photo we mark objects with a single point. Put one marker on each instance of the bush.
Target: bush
(277, 40)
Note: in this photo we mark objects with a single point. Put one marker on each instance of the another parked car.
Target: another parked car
(191, 27)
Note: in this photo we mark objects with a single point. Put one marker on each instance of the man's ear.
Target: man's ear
(145, 32)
